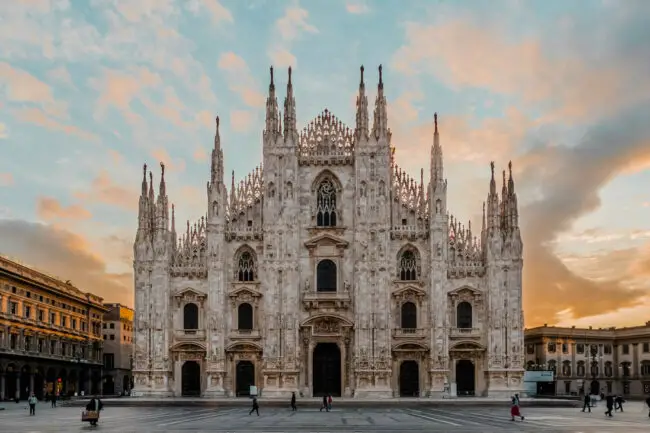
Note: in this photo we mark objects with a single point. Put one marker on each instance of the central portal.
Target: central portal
(409, 379)
(245, 378)
(465, 378)
(326, 370)
(191, 379)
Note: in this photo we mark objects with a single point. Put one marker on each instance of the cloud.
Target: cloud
(357, 7)
(6, 179)
(241, 120)
(61, 75)
(20, 86)
(240, 79)
(571, 86)
(40, 118)
(116, 156)
(3, 131)
(104, 190)
(565, 182)
(287, 29)
(171, 164)
(200, 155)
(217, 11)
(48, 209)
(65, 255)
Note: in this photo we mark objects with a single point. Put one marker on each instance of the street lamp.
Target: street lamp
(595, 358)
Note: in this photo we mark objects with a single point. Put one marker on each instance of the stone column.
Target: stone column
(310, 357)
(2, 386)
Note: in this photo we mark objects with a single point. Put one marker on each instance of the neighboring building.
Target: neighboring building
(329, 271)
(118, 349)
(50, 335)
(613, 360)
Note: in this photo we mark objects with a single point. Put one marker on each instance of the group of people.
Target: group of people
(327, 404)
(612, 403)
(91, 414)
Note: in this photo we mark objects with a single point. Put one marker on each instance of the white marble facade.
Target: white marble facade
(330, 270)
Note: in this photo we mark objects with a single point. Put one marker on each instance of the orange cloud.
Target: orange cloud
(357, 7)
(67, 256)
(38, 117)
(48, 209)
(240, 79)
(104, 190)
(6, 179)
(482, 57)
(3, 129)
(240, 120)
(217, 11)
(116, 156)
(200, 155)
(24, 87)
(170, 109)
(282, 58)
(171, 164)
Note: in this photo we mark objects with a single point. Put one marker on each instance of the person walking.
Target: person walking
(329, 402)
(609, 400)
(293, 402)
(256, 407)
(54, 396)
(586, 404)
(514, 409)
(647, 402)
(324, 405)
(618, 403)
(32, 400)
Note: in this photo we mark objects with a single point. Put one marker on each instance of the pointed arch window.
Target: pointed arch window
(246, 269)
(245, 317)
(326, 212)
(326, 276)
(408, 266)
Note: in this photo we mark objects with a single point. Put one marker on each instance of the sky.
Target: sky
(92, 89)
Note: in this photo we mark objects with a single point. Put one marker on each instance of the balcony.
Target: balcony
(465, 333)
(409, 333)
(326, 300)
(182, 335)
(245, 334)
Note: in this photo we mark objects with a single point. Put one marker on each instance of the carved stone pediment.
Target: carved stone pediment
(466, 346)
(245, 294)
(325, 324)
(466, 293)
(326, 239)
(410, 347)
(189, 295)
(189, 347)
(244, 347)
(409, 293)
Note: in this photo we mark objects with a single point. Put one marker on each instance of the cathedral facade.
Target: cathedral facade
(328, 271)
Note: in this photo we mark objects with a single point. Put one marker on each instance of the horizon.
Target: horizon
(92, 91)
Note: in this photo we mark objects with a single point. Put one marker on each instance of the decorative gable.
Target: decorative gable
(409, 293)
(326, 239)
(189, 295)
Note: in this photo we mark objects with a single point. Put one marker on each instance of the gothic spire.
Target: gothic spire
(143, 207)
(290, 129)
(162, 190)
(361, 131)
(436, 156)
(162, 207)
(217, 158)
(380, 124)
(144, 181)
(272, 116)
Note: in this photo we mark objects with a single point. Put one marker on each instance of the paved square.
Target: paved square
(398, 419)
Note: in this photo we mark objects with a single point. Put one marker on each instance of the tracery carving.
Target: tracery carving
(327, 326)
(189, 259)
(246, 266)
(326, 212)
(409, 264)
(326, 135)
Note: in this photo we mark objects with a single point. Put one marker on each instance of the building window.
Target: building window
(14, 308)
(74, 323)
(13, 341)
(530, 349)
(626, 349)
(53, 318)
(609, 369)
(408, 265)
(52, 347)
(607, 349)
(464, 315)
(246, 267)
(626, 388)
(626, 369)
(245, 317)
(64, 321)
(41, 345)
(109, 361)
(409, 316)
(565, 348)
(566, 368)
(104, 325)
(326, 204)
(41, 315)
(104, 336)
(190, 316)
(550, 347)
(112, 326)
(28, 343)
(326, 276)
(64, 349)
(552, 365)
(567, 387)
(580, 370)
(28, 312)
(646, 347)
(645, 368)
(595, 371)
(609, 387)
(112, 337)
(580, 348)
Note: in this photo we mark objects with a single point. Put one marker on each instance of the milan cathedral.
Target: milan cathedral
(328, 271)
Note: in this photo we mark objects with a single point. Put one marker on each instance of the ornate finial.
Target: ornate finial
(162, 168)
(504, 177)
(435, 121)
(492, 167)
(381, 81)
(272, 76)
(361, 82)
(216, 120)
(289, 76)
(144, 170)
(510, 167)
(150, 176)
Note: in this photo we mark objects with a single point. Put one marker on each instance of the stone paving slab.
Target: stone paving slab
(397, 419)
(316, 402)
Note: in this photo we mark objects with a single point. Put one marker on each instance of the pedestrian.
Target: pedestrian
(32, 400)
(609, 400)
(647, 402)
(293, 402)
(618, 403)
(329, 402)
(586, 404)
(256, 407)
(514, 409)
(324, 405)
(54, 396)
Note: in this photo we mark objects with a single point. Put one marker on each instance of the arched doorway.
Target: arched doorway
(326, 370)
(125, 385)
(594, 387)
(191, 379)
(245, 377)
(465, 378)
(409, 379)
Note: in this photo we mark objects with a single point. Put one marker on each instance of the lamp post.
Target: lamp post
(595, 358)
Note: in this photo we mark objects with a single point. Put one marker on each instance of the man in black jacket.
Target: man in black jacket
(610, 405)
(587, 402)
